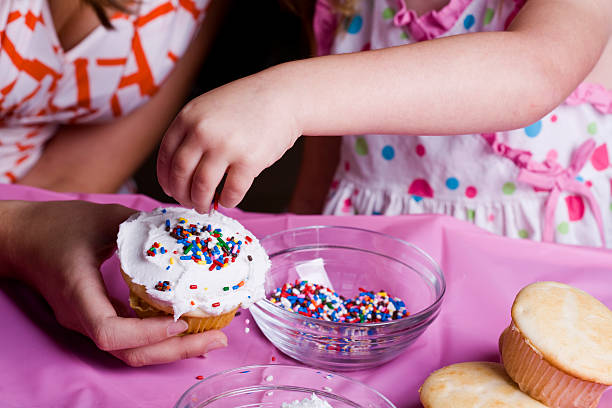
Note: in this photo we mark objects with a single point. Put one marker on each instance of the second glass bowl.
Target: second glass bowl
(268, 386)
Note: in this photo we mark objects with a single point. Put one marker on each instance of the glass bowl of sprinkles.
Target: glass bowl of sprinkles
(280, 386)
(343, 298)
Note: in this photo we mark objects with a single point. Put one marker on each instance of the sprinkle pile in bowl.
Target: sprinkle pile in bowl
(320, 302)
(330, 318)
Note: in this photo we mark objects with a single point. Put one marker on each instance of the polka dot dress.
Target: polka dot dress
(467, 176)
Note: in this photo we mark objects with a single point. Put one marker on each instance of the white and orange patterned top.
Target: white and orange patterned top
(107, 75)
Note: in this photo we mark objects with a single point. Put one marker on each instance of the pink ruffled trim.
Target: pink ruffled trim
(437, 22)
(596, 95)
(426, 27)
(432, 24)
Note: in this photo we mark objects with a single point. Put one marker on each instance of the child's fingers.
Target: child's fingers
(183, 167)
(173, 349)
(205, 180)
(172, 139)
(239, 180)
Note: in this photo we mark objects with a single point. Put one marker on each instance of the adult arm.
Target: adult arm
(65, 270)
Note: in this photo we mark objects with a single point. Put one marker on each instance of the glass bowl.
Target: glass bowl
(349, 259)
(263, 386)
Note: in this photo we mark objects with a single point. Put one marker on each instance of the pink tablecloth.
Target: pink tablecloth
(44, 365)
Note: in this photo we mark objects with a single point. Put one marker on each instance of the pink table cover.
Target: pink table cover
(44, 365)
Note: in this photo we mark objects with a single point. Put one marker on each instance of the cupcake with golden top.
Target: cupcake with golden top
(558, 347)
(199, 268)
(471, 385)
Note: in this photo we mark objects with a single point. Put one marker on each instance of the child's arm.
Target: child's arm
(59, 255)
(455, 85)
(100, 158)
(466, 83)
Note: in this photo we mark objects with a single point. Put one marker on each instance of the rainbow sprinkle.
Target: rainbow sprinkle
(202, 245)
(163, 286)
(322, 303)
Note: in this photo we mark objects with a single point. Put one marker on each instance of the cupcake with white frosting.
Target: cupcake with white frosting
(199, 268)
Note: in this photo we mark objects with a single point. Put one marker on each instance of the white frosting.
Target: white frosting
(138, 234)
(312, 402)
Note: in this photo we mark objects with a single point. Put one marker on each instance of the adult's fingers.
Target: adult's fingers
(238, 182)
(172, 349)
(205, 180)
(172, 139)
(100, 322)
(118, 333)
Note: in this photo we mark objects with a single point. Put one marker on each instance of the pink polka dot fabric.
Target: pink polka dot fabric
(464, 176)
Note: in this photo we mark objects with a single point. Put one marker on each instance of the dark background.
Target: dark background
(255, 35)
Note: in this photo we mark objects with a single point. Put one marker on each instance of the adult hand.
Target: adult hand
(58, 248)
(239, 129)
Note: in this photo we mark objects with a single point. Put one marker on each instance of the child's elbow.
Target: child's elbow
(543, 91)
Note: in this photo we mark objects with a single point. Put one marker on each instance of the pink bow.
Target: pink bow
(552, 177)
(597, 95)
(431, 24)
(403, 15)
(419, 30)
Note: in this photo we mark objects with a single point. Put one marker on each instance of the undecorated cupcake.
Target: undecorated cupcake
(473, 384)
(558, 347)
(200, 268)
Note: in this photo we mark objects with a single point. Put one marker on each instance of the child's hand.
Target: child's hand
(60, 253)
(239, 129)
